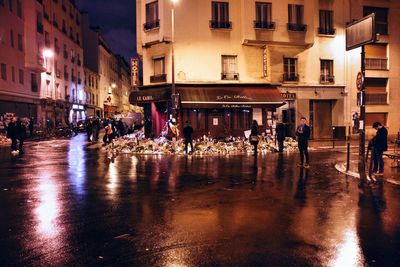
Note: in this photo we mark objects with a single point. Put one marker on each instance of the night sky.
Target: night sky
(116, 20)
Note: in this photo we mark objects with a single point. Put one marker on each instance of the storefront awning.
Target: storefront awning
(230, 97)
(150, 95)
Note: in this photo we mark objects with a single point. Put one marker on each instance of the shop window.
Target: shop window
(220, 16)
(290, 69)
(327, 71)
(326, 22)
(229, 68)
(296, 18)
(370, 118)
(21, 76)
(381, 18)
(264, 16)
(152, 20)
(3, 71)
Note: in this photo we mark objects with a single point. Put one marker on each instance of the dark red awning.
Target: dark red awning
(230, 97)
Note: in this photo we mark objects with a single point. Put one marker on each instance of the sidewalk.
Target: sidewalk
(391, 172)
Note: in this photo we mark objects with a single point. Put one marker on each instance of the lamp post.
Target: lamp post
(174, 95)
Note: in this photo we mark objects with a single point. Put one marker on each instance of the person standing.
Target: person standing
(95, 130)
(89, 129)
(21, 135)
(280, 134)
(254, 136)
(12, 133)
(379, 146)
(303, 134)
(188, 136)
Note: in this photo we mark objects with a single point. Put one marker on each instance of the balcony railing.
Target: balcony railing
(327, 31)
(229, 76)
(376, 98)
(327, 78)
(158, 78)
(297, 27)
(376, 63)
(216, 24)
(261, 24)
(151, 24)
(290, 77)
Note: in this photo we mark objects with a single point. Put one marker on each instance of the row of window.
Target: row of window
(263, 14)
(19, 39)
(73, 56)
(91, 81)
(229, 69)
(14, 6)
(4, 74)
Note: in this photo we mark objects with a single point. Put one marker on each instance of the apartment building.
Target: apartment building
(232, 57)
(111, 71)
(21, 62)
(91, 86)
(61, 88)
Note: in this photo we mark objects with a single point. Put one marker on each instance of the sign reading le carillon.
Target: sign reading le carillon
(144, 98)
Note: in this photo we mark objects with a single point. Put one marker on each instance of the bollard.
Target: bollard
(348, 157)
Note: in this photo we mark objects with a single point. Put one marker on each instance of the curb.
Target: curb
(341, 167)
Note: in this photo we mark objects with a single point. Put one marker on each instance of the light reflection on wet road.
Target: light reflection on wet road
(64, 204)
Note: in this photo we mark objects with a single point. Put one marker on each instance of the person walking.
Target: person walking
(95, 130)
(12, 133)
(188, 136)
(379, 146)
(280, 134)
(21, 135)
(303, 134)
(254, 136)
(89, 129)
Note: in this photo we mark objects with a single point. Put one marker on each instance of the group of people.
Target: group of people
(16, 131)
(302, 132)
(112, 129)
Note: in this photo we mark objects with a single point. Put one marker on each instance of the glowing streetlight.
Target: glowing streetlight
(48, 53)
(174, 1)
(113, 85)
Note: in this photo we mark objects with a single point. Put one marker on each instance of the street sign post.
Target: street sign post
(358, 34)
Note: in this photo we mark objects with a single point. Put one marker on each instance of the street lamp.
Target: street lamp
(174, 96)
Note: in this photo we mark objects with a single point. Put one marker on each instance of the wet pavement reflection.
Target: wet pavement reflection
(64, 203)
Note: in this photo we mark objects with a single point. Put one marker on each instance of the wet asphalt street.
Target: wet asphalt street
(65, 204)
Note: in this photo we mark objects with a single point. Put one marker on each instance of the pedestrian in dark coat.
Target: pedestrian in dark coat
(95, 130)
(121, 128)
(379, 144)
(12, 133)
(303, 132)
(280, 134)
(188, 135)
(89, 129)
(254, 136)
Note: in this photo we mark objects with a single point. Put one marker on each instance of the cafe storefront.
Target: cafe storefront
(212, 110)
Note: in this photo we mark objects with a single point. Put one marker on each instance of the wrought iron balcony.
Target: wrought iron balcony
(296, 27)
(290, 77)
(376, 63)
(151, 24)
(327, 31)
(158, 78)
(376, 98)
(216, 24)
(229, 76)
(327, 78)
(262, 24)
